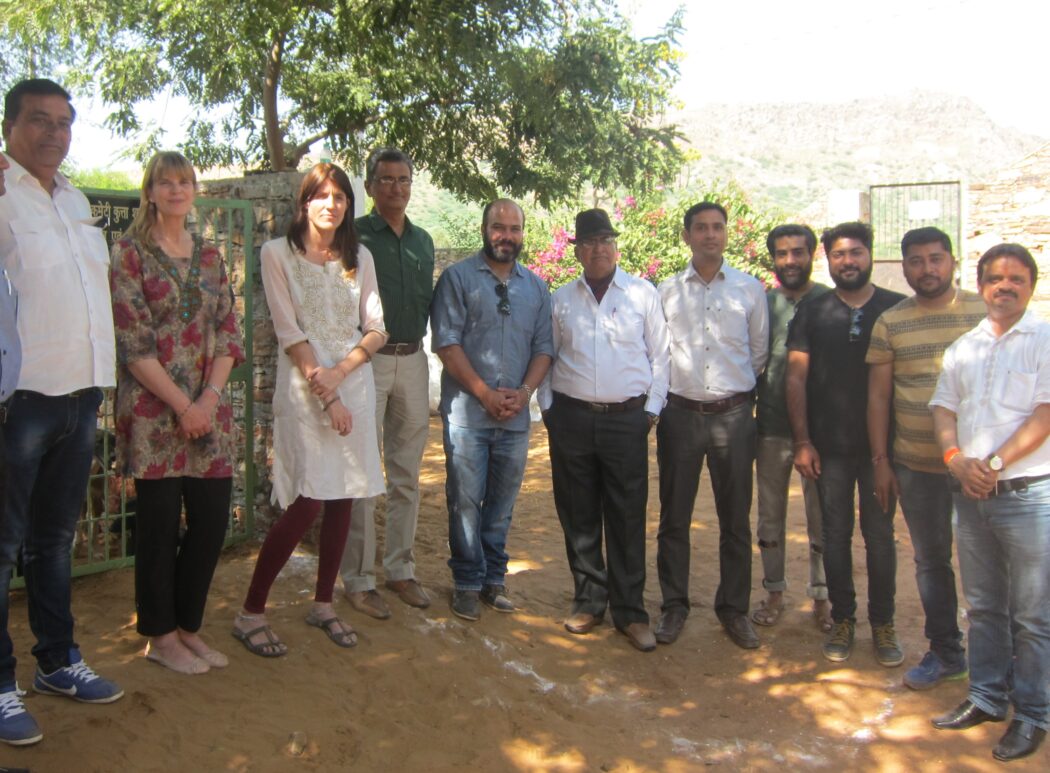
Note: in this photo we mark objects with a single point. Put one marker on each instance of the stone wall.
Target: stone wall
(1013, 206)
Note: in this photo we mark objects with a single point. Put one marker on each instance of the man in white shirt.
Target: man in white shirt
(719, 328)
(58, 262)
(991, 414)
(609, 381)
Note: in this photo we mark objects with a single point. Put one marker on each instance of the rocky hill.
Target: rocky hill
(791, 155)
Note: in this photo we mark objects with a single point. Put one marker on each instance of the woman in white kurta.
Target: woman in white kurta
(321, 289)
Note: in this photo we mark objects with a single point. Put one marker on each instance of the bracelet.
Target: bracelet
(325, 406)
(800, 443)
(215, 389)
(528, 390)
(950, 454)
(368, 354)
(878, 458)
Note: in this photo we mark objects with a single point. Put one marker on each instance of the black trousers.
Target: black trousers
(600, 470)
(172, 576)
(684, 438)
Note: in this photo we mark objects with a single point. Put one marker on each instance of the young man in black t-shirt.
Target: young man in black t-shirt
(827, 395)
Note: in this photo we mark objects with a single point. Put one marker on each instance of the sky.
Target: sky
(826, 51)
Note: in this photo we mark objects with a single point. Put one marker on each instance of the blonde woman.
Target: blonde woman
(323, 298)
(177, 341)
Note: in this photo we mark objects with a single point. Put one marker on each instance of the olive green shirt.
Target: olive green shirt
(772, 390)
(405, 272)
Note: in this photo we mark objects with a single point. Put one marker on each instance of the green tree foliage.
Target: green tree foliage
(519, 97)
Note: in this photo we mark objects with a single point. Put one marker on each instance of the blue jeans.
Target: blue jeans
(839, 477)
(926, 502)
(48, 442)
(1004, 558)
(483, 473)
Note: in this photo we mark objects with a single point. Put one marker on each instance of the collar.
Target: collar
(19, 175)
(480, 265)
(376, 222)
(691, 274)
(1028, 323)
(620, 279)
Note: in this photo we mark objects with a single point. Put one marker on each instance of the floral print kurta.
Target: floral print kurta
(148, 325)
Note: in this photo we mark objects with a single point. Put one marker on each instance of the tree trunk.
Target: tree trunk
(271, 120)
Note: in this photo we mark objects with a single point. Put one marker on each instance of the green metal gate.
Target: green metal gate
(103, 538)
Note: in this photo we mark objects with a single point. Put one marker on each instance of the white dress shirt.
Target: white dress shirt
(992, 385)
(59, 263)
(719, 332)
(612, 351)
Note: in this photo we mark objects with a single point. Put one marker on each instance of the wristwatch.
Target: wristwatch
(654, 418)
(995, 462)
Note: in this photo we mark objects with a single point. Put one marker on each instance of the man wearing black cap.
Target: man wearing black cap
(605, 392)
(719, 329)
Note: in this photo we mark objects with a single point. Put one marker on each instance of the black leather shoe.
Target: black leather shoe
(670, 624)
(742, 632)
(965, 715)
(1020, 740)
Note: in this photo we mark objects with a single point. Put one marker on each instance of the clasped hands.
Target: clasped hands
(503, 403)
(974, 475)
(323, 383)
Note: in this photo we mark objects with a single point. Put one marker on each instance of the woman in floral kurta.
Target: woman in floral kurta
(177, 340)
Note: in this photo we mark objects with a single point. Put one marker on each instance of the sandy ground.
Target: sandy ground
(427, 691)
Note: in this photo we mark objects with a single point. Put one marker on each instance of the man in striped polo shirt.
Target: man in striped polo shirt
(904, 360)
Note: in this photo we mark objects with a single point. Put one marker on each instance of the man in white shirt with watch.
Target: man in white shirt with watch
(58, 262)
(991, 413)
(606, 389)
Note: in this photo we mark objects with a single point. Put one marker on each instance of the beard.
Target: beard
(936, 292)
(490, 249)
(794, 281)
(857, 282)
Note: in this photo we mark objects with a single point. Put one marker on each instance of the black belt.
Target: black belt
(400, 350)
(712, 406)
(626, 405)
(1005, 486)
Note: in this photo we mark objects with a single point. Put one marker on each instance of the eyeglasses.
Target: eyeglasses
(390, 182)
(597, 241)
(503, 305)
(42, 123)
(856, 317)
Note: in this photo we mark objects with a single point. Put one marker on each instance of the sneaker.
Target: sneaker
(77, 681)
(17, 726)
(465, 604)
(495, 596)
(931, 671)
(839, 643)
(887, 647)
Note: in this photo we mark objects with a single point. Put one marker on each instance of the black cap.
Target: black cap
(592, 222)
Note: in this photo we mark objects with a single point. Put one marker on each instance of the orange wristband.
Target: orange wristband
(950, 454)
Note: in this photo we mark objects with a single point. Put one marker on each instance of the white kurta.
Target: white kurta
(332, 311)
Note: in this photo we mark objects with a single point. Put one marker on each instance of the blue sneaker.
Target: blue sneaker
(78, 682)
(931, 671)
(17, 726)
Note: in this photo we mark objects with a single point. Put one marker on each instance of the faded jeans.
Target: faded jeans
(1004, 558)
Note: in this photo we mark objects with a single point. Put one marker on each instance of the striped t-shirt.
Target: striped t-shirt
(914, 340)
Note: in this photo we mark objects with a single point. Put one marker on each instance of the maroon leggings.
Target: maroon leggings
(285, 534)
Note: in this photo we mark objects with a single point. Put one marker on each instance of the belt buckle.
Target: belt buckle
(599, 407)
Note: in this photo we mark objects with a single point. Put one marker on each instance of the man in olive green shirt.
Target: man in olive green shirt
(404, 261)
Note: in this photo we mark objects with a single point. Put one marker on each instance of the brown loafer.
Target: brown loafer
(370, 603)
(741, 632)
(670, 624)
(582, 622)
(640, 636)
(410, 592)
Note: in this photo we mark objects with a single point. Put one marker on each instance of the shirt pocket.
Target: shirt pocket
(40, 246)
(730, 318)
(1018, 391)
(624, 327)
(94, 243)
